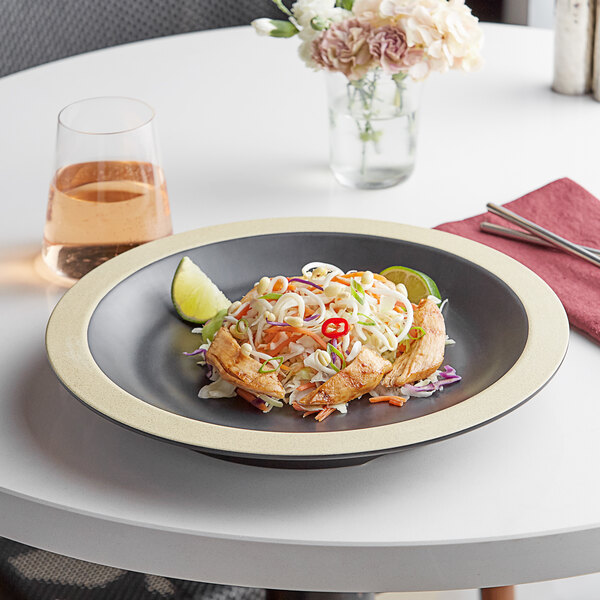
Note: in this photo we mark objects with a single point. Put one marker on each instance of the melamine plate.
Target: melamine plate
(117, 345)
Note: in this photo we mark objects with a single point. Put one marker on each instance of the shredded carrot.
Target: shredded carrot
(339, 279)
(246, 395)
(305, 386)
(314, 336)
(282, 345)
(293, 330)
(278, 285)
(301, 409)
(323, 414)
(398, 402)
(251, 398)
(395, 400)
(388, 398)
(381, 278)
(361, 273)
(399, 307)
(276, 329)
(269, 334)
(284, 367)
(243, 312)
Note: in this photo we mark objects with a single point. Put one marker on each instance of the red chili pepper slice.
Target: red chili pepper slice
(331, 327)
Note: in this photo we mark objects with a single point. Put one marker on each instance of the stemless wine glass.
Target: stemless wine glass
(108, 193)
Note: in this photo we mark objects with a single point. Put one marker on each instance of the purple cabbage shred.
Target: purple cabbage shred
(196, 352)
(307, 282)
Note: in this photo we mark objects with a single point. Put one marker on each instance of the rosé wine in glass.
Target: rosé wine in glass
(108, 193)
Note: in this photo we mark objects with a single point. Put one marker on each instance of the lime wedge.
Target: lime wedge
(418, 285)
(195, 297)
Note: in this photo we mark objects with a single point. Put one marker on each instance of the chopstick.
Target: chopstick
(544, 234)
(522, 236)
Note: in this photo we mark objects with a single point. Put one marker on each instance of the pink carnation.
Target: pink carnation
(344, 47)
(388, 46)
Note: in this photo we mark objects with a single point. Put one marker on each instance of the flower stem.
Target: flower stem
(364, 89)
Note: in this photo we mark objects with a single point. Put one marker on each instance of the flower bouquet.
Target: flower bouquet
(376, 53)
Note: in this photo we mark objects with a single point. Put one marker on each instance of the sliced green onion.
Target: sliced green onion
(277, 359)
(331, 348)
(270, 296)
(370, 322)
(420, 331)
(241, 329)
(357, 291)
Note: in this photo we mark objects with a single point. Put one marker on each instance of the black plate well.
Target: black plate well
(483, 316)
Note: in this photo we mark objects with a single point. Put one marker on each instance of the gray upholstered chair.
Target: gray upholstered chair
(30, 574)
(34, 32)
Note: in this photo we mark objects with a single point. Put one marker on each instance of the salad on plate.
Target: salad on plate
(318, 340)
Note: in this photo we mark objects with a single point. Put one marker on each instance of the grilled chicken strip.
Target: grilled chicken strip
(361, 376)
(426, 354)
(226, 356)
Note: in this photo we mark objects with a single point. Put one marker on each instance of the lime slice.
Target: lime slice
(418, 285)
(195, 297)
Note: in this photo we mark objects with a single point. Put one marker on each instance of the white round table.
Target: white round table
(243, 133)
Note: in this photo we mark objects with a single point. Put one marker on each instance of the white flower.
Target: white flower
(305, 52)
(369, 10)
(419, 71)
(420, 28)
(274, 28)
(445, 29)
(400, 8)
(263, 26)
(462, 36)
(305, 11)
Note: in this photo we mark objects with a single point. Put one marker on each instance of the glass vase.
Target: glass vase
(372, 128)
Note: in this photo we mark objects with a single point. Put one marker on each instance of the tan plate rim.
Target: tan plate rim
(72, 361)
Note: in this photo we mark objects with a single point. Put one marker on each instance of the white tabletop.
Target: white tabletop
(243, 134)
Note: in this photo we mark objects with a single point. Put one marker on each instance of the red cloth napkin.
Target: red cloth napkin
(570, 211)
